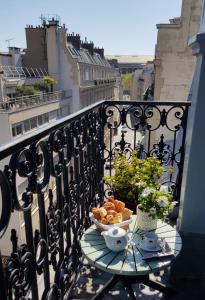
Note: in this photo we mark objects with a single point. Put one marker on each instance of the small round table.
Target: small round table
(130, 265)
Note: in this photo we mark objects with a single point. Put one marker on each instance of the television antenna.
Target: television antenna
(8, 41)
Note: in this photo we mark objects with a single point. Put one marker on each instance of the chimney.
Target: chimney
(74, 39)
(99, 51)
(53, 22)
(88, 46)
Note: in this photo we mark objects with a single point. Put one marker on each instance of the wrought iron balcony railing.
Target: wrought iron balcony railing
(19, 103)
(72, 154)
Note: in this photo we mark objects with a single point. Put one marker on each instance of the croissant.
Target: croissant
(103, 212)
(126, 213)
(111, 212)
(96, 213)
(119, 205)
(110, 219)
(104, 221)
(118, 218)
(109, 206)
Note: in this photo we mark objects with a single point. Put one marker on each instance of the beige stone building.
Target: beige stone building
(142, 83)
(174, 62)
(130, 63)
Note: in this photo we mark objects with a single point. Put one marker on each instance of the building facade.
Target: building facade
(174, 62)
(83, 77)
(142, 83)
(130, 63)
(76, 65)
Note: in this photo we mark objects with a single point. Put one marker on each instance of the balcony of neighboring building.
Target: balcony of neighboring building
(97, 83)
(11, 105)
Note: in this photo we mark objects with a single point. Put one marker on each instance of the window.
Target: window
(33, 122)
(17, 129)
(40, 120)
(86, 75)
(13, 131)
(53, 115)
(45, 118)
(27, 126)
(63, 111)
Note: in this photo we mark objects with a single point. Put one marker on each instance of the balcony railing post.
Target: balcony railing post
(182, 150)
(44, 235)
(31, 248)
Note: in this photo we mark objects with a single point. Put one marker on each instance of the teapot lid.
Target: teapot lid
(116, 232)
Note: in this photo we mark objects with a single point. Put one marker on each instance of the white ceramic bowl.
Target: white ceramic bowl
(102, 227)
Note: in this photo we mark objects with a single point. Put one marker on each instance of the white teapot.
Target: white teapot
(115, 238)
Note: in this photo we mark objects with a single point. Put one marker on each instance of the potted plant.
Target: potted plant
(132, 176)
(46, 84)
(153, 204)
(137, 181)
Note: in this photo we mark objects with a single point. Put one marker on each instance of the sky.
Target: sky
(119, 26)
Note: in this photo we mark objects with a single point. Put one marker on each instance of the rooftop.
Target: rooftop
(84, 56)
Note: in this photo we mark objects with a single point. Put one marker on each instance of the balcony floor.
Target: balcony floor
(92, 280)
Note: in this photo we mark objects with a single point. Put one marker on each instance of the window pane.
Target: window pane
(19, 129)
(46, 119)
(52, 115)
(27, 126)
(33, 122)
(40, 120)
(13, 131)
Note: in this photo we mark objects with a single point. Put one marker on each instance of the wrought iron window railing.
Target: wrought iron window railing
(70, 156)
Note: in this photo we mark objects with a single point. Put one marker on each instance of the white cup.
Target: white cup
(150, 240)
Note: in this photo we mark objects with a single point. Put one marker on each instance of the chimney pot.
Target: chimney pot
(99, 51)
(74, 40)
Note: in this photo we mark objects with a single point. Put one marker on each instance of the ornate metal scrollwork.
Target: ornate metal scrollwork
(53, 224)
(69, 159)
(22, 165)
(21, 269)
(162, 151)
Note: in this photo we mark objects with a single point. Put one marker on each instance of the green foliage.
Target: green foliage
(126, 81)
(49, 80)
(25, 90)
(46, 84)
(131, 177)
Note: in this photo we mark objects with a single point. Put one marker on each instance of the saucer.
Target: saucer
(143, 247)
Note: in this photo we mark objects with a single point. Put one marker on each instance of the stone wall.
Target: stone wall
(174, 62)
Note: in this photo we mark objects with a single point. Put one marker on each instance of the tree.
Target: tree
(126, 81)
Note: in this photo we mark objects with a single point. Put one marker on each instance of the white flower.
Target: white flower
(152, 210)
(164, 188)
(139, 183)
(163, 201)
(147, 191)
